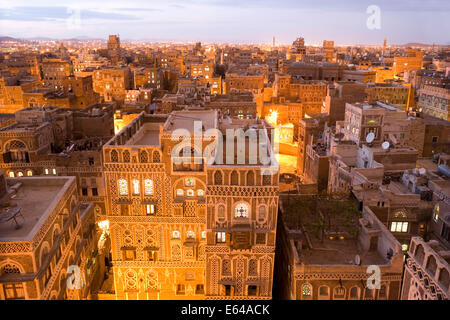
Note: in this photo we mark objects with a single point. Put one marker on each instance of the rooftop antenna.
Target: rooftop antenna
(370, 137)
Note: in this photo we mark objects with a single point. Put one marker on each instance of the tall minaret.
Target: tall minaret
(384, 47)
(273, 46)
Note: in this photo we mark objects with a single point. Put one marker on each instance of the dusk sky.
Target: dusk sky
(238, 21)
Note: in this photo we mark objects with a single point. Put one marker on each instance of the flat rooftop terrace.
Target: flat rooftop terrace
(185, 120)
(148, 135)
(340, 252)
(37, 196)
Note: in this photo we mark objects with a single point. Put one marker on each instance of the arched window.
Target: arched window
(218, 178)
(148, 187)
(176, 234)
(190, 193)
(262, 213)
(143, 157)
(253, 267)
(200, 193)
(29, 173)
(221, 213)
(267, 179)
(136, 187)
(20, 174)
(114, 156)
(176, 252)
(126, 156)
(250, 178)
(324, 292)
(123, 187)
(431, 265)
(156, 156)
(354, 293)
(190, 235)
(382, 294)
(306, 291)
(444, 278)
(180, 192)
(339, 293)
(226, 267)
(11, 174)
(10, 269)
(234, 178)
(368, 294)
(241, 211)
(420, 253)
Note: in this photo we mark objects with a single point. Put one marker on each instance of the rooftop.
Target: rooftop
(329, 230)
(36, 197)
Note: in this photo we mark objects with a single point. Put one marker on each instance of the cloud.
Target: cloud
(331, 5)
(58, 13)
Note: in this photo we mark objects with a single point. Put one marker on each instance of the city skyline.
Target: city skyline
(218, 21)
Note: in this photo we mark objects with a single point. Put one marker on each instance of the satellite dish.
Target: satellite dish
(385, 145)
(422, 171)
(370, 137)
(357, 260)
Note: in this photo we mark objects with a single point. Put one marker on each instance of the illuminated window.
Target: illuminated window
(200, 193)
(436, 213)
(135, 186)
(148, 187)
(123, 187)
(54, 171)
(176, 235)
(189, 182)
(11, 174)
(306, 291)
(46, 171)
(404, 247)
(190, 193)
(29, 173)
(180, 192)
(220, 237)
(150, 209)
(399, 226)
(241, 211)
(190, 235)
(203, 234)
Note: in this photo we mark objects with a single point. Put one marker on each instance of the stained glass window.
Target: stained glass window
(241, 211)
(148, 187)
(189, 182)
(306, 290)
(123, 187)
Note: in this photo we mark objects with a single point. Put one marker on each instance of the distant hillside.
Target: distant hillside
(4, 39)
